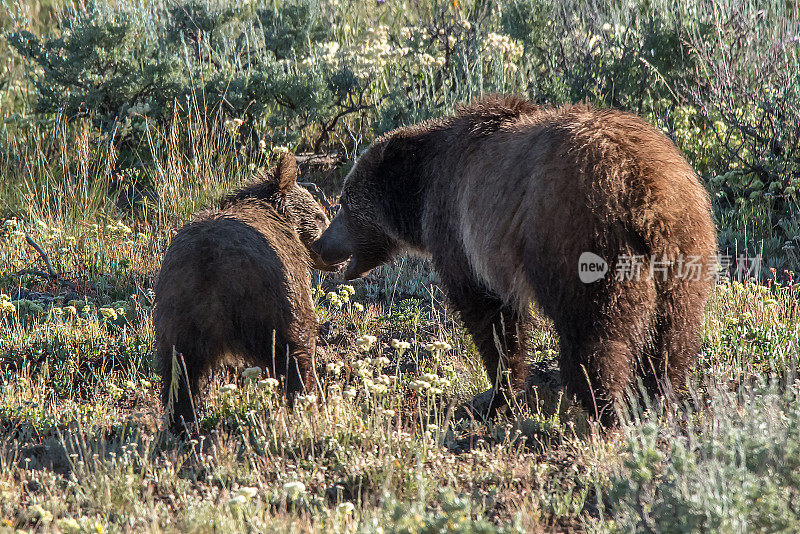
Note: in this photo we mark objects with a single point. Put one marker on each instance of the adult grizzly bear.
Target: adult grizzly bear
(507, 197)
(236, 282)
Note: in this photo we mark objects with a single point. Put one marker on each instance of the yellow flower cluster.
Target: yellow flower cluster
(6, 306)
(338, 298)
(108, 313)
(118, 228)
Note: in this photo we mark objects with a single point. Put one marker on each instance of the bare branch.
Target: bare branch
(51, 273)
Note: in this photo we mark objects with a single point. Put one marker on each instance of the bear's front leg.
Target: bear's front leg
(499, 332)
(299, 375)
(299, 363)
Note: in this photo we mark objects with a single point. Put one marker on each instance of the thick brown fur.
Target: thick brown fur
(236, 283)
(505, 196)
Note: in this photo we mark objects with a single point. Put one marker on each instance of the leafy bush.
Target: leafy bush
(731, 466)
(745, 91)
(722, 80)
(299, 65)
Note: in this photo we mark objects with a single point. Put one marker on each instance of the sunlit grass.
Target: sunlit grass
(380, 443)
(377, 441)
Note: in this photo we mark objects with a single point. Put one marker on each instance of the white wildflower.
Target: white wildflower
(247, 492)
(239, 500)
(400, 345)
(294, 489)
(252, 373)
(306, 400)
(346, 508)
(365, 342)
(504, 44)
(418, 385)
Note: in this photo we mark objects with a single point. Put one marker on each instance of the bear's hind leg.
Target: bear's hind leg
(677, 341)
(597, 372)
(602, 339)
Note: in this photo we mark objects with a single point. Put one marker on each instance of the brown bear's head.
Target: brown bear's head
(280, 189)
(379, 209)
(305, 213)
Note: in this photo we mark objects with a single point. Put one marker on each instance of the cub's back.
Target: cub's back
(240, 266)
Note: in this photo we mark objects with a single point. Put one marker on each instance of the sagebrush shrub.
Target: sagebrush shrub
(731, 466)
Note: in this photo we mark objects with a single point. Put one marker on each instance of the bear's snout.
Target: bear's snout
(333, 246)
(330, 251)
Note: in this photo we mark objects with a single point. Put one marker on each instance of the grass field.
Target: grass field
(381, 446)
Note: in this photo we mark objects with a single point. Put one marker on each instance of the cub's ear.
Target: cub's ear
(286, 171)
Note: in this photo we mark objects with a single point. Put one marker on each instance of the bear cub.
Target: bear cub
(236, 283)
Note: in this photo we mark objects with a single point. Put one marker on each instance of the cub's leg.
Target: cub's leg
(187, 381)
(292, 363)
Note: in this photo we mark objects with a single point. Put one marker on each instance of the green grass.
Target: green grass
(380, 446)
(83, 448)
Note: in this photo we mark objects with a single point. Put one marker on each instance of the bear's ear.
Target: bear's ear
(286, 171)
(396, 149)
